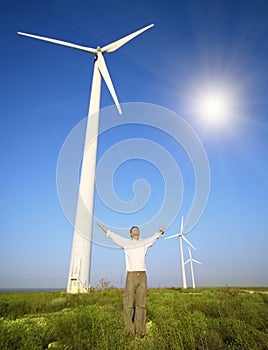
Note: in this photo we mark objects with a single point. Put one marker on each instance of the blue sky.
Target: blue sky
(195, 48)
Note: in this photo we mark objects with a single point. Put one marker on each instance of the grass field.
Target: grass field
(207, 318)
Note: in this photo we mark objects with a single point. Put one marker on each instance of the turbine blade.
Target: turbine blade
(118, 43)
(106, 76)
(60, 42)
(190, 254)
(196, 261)
(186, 262)
(181, 225)
(176, 235)
(186, 240)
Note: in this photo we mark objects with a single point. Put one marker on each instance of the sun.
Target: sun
(214, 107)
(214, 104)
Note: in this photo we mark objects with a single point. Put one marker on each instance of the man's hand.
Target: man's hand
(163, 229)
(102, 227)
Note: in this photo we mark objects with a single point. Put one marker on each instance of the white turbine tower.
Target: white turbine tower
(191, 260)
(79, 273)
(182, 237)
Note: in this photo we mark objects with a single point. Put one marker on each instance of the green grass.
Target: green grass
(211, 318)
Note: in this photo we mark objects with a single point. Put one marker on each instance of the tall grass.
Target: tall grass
(177, 319)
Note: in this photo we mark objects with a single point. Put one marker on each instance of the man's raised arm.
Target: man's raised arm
(120, 241)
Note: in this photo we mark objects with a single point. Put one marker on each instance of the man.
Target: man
(135, 295)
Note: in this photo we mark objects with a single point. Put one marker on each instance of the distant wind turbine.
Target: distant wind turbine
(79, 273)
(191, 260)
(182, 237)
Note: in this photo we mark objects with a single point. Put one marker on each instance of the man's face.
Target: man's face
(135, 233)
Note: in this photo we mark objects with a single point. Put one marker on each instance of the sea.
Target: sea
(5, 290)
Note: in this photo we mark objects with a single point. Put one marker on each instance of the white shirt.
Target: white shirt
(135, 250)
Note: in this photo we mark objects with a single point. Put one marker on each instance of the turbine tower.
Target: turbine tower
(79, 272)
(182, 237)
(191, 260)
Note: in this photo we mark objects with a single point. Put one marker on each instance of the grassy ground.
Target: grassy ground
(216, 318)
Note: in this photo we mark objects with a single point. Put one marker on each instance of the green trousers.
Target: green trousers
(134, 303)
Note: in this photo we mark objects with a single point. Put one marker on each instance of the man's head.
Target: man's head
(135, 232)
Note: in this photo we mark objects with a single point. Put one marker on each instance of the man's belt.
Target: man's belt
(138, 272)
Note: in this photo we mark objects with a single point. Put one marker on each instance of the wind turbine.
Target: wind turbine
(191, 260)
(182, 237)
(79, 273)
